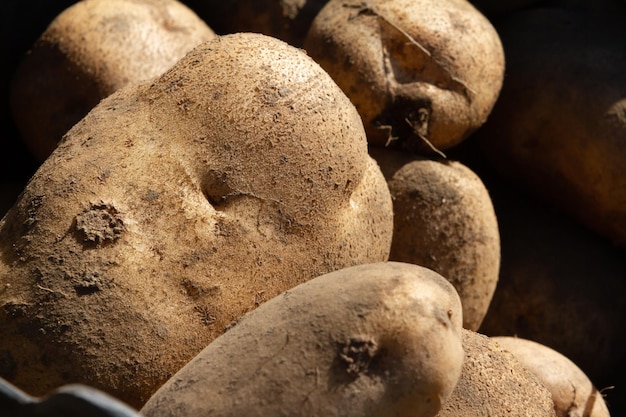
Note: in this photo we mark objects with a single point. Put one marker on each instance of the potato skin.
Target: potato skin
(372, 340)
(417, 71)
(177, 205)
(572, 392)
(494, 383)
(90, 50)
(444, 220)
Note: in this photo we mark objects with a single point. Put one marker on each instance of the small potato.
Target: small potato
(372, 340)
(423, 74)
(90, 50)
(572, 392)
(494, 383)
(444, 220)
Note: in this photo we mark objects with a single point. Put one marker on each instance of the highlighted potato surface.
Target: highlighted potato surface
(423, 74)
(372, 340)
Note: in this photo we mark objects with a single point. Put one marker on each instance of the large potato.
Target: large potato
(422, 73)
(90, 50)
(177, 205)
(572, 391)
(559, 127)
(372, 340)
(444, 220)
(494, 383)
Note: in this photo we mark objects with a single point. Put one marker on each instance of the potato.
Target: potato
(90, 50)
(177, 205)
(494, 383)
(372, 340)
(444, 220)
(422, 73)
(560, 285)
(288, 20)
(572, 391)
(559, 127)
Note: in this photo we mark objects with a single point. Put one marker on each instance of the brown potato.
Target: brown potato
(444, 220)
(372, 340)
(90, 50)
(559, 127)
(177, 205)
(421, 73)
(494, 383)
(572, 391)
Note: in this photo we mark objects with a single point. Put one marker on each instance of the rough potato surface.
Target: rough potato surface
(423, 74)
(444, 220)
(174, 207)
(573, 394)
(494, 383)
(372, 340)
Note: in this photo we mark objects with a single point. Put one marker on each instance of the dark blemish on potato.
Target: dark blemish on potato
(99, 224)
(8, 367)
(174, 85)
(259, 298)
(191, 289)
(191, 259)
(151, 195)
(184, 104)
(31, 212)
(231, 325)
(357, 354)
(407, 121)
(89, 282)
(206, 317)
(195, 290)
(216, 188)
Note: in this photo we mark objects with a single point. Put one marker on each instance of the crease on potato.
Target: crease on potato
(422, 74)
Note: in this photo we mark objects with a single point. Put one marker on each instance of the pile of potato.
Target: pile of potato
(329, 207)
